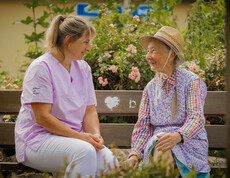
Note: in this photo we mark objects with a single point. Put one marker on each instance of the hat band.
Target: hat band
(168, 42)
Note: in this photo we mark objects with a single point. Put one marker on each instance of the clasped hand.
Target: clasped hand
(94, 139)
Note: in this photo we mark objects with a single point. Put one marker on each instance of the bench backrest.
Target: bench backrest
(115, 102)
(122, 103)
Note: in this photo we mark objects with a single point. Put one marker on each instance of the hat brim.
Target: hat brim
(146, 39)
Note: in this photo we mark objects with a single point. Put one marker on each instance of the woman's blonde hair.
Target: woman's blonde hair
(73, 26)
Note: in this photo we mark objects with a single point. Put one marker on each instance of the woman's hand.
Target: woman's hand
(95, 140)
(132, 162)
(99, 139)
(168, 140)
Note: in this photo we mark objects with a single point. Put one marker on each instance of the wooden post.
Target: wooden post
(228, 83)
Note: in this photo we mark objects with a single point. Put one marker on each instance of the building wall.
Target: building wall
(12, 34)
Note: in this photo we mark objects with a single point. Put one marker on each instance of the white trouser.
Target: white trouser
(81, 157)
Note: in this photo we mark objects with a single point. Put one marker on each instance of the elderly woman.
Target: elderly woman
(172, 103)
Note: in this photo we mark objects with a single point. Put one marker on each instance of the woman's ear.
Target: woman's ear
(67, 40)
(172, 56)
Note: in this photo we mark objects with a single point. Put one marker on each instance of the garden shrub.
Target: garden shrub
(117, 58)
(205, 41)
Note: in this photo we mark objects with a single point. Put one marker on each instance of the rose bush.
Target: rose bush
(8, 82)
(117, 58)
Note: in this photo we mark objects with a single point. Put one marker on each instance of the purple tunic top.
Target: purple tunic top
(189, 120)
(47, 81)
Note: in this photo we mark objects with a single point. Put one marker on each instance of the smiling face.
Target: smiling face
(77, 49)
(157, 55)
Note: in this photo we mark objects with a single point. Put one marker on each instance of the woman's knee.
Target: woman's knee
(86, 152)
(106, 159)
(82, 161)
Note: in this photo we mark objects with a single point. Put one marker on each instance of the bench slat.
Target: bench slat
(120, 134)
(15, 166)
(217, 136)
(117, 134)
(7, 134)
(215, 103)
(116, 102)
(10, 101)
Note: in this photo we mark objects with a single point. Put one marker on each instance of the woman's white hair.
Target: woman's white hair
(176, 61)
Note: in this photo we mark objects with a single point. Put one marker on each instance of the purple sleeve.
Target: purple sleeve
(37, 85)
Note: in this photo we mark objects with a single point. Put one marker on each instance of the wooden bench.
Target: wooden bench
(119, 103)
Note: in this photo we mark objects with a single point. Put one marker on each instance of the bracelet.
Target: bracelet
(134, 155)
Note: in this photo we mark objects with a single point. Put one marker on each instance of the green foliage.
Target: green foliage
(219, 174)
(217, 153)
(215, 69)
(160, 14)
(10, 118)
(205, 30)
(153, 169)
(117, 58)
(34, 40)
(63, 7)
(205, 41)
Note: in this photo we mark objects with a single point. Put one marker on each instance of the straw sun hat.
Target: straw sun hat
(170, 36)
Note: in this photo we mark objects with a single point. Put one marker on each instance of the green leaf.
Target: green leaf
(32, 5)
(93, 6)
(62, 1)
(41, 20)
(123, 18)
(35, 37)
(27, 21)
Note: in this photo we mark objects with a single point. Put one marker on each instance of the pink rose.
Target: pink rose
(137, 18)
(135, 74)
(113, 68)
(105, 82)
(131, 48)
(100, 79)
(134, 50)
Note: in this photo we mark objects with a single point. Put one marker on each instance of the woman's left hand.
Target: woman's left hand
(99, 139)
(167, 141)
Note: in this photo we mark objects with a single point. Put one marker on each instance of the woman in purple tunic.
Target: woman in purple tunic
(172, 102)
(58, 121)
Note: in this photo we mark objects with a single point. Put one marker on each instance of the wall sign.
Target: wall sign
(81, 9)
